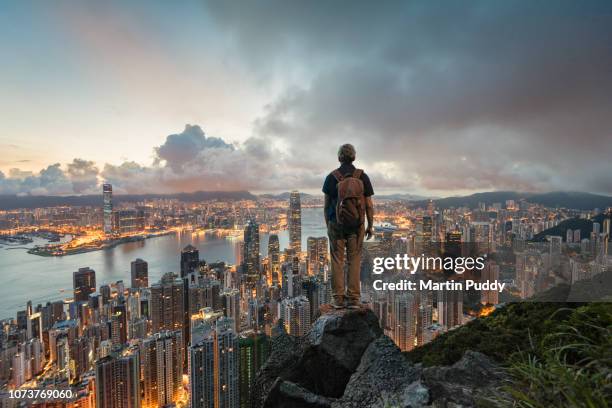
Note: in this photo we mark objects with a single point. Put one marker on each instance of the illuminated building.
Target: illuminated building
(450, 308)
(294, 219)
(254, 350)
(274, 257)
(139, 273)
(231, 307)
(404, 316)
(161, 357)
(490, 274)
(128, 221)
(190, 260)
(107, 196)
(251, 252)
(118, 380)
(316, 254)
(296, 315)
(213, 364)
(167, 307)
(84, 284)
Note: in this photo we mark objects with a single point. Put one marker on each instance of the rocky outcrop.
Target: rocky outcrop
(345, 361)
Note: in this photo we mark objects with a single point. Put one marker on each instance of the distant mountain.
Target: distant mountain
(575, 200)
(283, 196)
(585, 227)
(404, 197)
(9, 202)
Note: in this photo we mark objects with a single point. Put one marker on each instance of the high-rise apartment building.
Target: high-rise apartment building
(118, 380)
(450, 308)
(296, 315)
(316, 254)
(213, 364)
(167, 306)
(190, 260)
(139, 273)
(254, 350)
(274, 258)
(83, 283)
(162, 368)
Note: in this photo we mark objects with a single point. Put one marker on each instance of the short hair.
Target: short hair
(346, 153)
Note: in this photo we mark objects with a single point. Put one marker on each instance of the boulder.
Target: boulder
(346, 362)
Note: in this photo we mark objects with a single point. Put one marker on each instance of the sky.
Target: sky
(439, 98)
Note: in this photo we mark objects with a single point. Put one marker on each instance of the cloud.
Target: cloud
(522, 90)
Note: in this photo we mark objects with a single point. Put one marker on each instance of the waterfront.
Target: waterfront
(40, 279)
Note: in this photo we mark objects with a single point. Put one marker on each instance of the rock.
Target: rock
(346, 362)
(333, 349)
(384, 378)
(472, 378)
(284, 355)
(290, 395)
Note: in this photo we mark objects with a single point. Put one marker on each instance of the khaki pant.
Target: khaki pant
(351, 241)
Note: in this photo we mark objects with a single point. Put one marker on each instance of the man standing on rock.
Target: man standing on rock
(348, 202)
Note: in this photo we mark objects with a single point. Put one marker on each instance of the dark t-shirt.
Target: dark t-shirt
(329, 187)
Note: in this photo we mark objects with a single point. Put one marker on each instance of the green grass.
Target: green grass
(555, 354)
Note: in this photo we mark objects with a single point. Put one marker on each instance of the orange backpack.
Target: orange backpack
(350, 208)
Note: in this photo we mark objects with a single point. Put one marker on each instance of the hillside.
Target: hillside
(585, 226)
(575, 200)
(10, 202)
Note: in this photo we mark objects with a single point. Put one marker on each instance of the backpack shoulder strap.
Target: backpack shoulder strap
(357, 173)
(339, 177)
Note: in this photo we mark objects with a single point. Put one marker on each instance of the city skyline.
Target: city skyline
(437, 100)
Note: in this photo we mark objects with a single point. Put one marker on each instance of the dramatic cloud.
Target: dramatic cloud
(465, 96)
(437, 98)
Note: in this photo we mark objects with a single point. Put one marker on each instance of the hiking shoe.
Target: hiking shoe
(337, 305)
(354, 305)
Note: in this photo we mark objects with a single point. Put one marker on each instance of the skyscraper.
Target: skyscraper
(294, 219)
(190, 260)
(118, 380)
(404, 318)
(316, 254)
(490, 274)
(107, 197)
(140, 273)
(450, 308)
(162, 368)
(251, 252)
(213, 364)
(254, 350)
(83, 283)
(274, 257)
(167, 306)
(296, 315)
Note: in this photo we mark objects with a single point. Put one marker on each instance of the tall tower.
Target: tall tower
(118, 381)
(251, 252)
(274, 257)
(213, 364)
(83, 283)
(139, 273)
(107, 196)
(294, 219)
(162, 368)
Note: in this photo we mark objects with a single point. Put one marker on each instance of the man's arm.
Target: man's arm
(326, 208)
(370, 217)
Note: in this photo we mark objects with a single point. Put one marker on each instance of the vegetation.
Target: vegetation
(555, 354)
